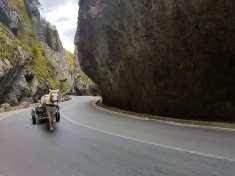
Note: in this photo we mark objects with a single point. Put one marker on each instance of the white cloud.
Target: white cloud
(63, 14)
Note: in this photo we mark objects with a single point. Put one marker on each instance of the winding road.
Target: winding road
(91, 142)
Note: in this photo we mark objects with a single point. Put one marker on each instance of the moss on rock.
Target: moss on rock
(7, 42)
(42, 68)
(29, 48)
(25, 22)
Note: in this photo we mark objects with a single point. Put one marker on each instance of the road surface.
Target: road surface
(89, 142)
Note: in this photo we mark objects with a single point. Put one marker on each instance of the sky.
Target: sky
(63, 14)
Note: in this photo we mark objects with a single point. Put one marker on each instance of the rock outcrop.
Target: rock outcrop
(9, 16)
(12, 60)
(32, 58)
(83, 85)
(165, 57)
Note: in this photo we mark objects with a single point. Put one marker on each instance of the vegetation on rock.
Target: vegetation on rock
(46, 63)
(42, 68)
(7, 42)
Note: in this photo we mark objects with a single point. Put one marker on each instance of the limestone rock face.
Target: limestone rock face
(32, 57)
(11, 63)
(61, 65)
(161, 57)
(46, 32)
(83, 85)
(9, 16)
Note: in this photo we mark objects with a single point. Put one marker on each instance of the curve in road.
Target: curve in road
(89, 142)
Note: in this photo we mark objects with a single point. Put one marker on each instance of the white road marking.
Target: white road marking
(94, 105)
(148, 142)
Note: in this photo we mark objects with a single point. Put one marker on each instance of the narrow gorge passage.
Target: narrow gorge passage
(117, 88)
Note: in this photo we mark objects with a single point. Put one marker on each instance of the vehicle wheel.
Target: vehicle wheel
(34, 120)
(57, 117)
(39, 121)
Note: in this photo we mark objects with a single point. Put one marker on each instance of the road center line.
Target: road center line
(147, 142)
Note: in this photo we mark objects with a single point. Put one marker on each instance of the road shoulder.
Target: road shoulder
(4, 115)
(173, 121)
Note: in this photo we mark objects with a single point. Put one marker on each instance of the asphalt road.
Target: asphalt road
(89, 142)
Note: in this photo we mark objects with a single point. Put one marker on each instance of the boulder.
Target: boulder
(5, 106)
(165, 57)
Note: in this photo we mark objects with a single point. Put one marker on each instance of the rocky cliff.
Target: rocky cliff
(165, 57)
(9, 16)
(83, 85)
(32, 58)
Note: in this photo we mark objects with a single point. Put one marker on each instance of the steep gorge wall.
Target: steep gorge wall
(32, 57)
(9, 16)
(165, 57)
